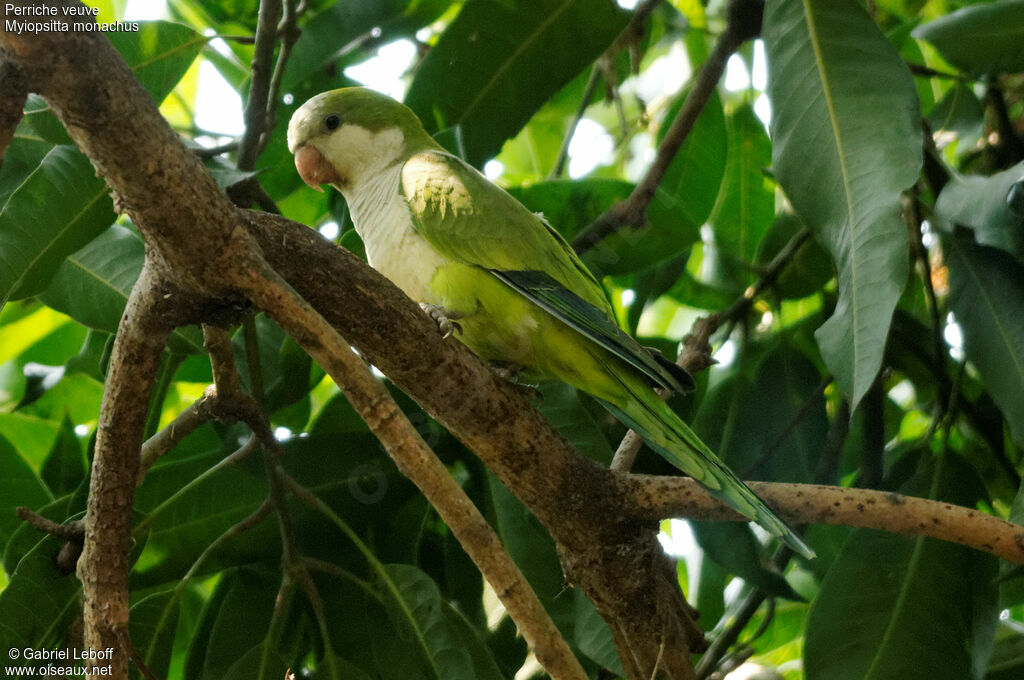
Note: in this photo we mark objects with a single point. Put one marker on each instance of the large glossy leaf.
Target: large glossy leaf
(983, 38)
(497, 63)
(987, 297)
(981, 204)
(693, 180)
(92, 285)
(233, 628)
(746, 203)
(424, 624)
(733, 546)
(19, 485)
(59, 208)
(153, 622)
(159, 53)
(39, 602)
(760, 420)
(847, 140)
(898, 607)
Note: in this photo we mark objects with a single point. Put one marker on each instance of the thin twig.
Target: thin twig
(210, 152)
(256, 107)
(186, 422)
(125, 640)
(771, 274)
(71, 531)
(728, 637)
(929, 72)
(563, 152)
(289, 32)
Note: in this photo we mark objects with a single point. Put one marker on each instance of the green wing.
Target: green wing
(471, 220)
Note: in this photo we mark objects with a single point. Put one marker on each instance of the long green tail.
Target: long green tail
(664, 432)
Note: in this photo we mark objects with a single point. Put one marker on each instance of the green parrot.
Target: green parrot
(496, 274)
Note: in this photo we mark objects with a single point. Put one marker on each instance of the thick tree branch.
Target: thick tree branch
(818, 504)
(103, 567)
(13, 93)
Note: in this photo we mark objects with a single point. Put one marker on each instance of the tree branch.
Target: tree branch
(13, 94)
(103, 566)
(819, 504)
(256, 106)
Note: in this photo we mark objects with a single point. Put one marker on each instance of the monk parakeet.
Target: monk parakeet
(496, 274)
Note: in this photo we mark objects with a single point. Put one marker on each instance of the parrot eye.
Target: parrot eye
(332, 121)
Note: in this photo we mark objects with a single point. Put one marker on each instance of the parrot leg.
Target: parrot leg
(445, 319)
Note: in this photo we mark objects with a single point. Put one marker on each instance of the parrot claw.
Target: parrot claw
(508, 371)
(505, 370)
(445, 319)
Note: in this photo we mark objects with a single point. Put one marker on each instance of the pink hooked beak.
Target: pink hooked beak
(313, 167)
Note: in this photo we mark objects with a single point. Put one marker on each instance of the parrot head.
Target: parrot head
(344, 136)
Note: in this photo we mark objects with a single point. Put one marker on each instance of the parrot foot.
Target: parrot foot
(509, 371)
(506, 370)
(444, 318)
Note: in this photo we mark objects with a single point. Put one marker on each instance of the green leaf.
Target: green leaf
(34, 436)
(66, 466)
(693, 180)
(1007, 662)
(59, 208)
(19, 485)
(987, 297)
(561, 406)
(847, 140)
(414, 605)
(981, 204)
(877, 610)
(807, 272)
(39, 603)
(152, 629)
(236, 621)
(746, 202)
(759, 420)
(533, 550)
(160, 53)
(93, 284)
(593, 636)
(497, 63)
(732, 545)
(959, 112)
(984, 38)
(336, 32)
